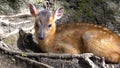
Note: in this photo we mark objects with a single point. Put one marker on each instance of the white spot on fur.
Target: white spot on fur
(95, 25)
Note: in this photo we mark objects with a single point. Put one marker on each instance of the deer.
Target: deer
(73, 38)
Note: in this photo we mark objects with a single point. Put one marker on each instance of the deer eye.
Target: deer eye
(49, 25)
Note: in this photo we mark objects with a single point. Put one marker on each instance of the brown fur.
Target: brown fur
(83, 38)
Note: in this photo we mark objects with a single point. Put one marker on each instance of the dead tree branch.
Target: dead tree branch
(16, 15)
(33, 62)
(17, 30)
(8, 23)
(48, 55)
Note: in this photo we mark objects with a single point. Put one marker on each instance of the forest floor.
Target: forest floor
(9, 25)
(12, 57)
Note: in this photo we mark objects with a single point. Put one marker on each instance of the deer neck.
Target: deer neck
(49, 40)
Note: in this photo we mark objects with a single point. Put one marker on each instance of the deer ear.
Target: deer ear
(33, 10)
(59, 13)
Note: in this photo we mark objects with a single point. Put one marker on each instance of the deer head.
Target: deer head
(45, 25)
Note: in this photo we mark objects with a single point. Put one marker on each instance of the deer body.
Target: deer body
(74, 38)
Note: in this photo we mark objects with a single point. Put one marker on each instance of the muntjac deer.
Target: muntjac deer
(74, 38)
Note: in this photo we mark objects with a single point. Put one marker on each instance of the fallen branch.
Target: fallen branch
(17, 30)
(33, 62)
(48, 55)
(8, 23)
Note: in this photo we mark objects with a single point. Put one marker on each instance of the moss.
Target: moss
(87, 10)
(118, 13)
(97, 1)
(89, 14)
(10, 6)
(24, 55)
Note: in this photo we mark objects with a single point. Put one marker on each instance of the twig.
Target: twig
(28, 29)
(17, 15)
(87, 58)
(4, 21)
(27, 21)
(14, 32)
(34, 62)
(4, 45)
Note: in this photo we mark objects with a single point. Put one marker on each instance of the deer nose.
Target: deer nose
(41, 37)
